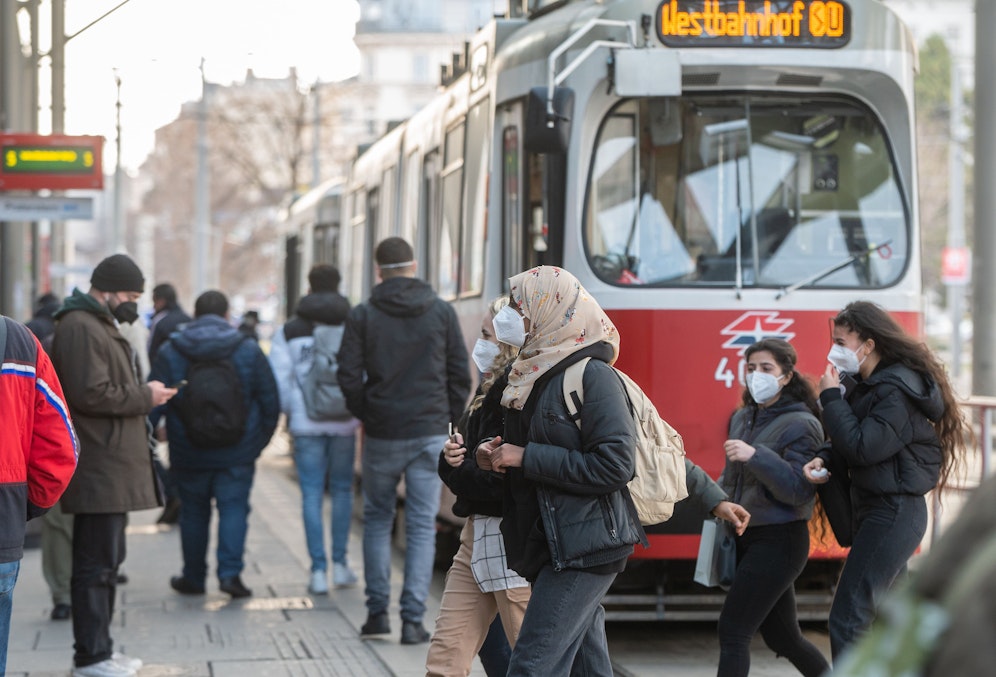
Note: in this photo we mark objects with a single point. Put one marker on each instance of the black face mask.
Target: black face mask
(126, 312)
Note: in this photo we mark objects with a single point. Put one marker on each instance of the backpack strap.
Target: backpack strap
(574, 389)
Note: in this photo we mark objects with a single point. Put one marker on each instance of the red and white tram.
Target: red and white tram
(713, 171)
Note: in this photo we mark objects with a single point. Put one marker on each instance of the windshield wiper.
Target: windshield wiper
(833, 269)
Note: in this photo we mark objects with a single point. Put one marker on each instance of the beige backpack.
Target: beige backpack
(659, 481)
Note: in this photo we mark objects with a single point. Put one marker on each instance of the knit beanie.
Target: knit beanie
(117, 273)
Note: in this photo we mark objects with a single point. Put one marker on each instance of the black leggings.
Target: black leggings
(762, 597)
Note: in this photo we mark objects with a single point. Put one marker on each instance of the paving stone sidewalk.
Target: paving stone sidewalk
(280, 630)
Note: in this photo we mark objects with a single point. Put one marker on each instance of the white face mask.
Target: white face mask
(763, 386)
(484, 355)
(845, 359)
(510, 327)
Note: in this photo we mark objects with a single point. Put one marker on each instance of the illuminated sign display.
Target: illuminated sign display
(54, 162)
(754, 23)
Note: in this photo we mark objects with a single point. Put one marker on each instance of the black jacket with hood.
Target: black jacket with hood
(403, 362)
(568, 505)
(883, 431)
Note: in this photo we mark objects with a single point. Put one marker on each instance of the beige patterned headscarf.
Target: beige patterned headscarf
(563, 319)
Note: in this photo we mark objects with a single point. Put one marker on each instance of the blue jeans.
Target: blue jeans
(229, 487)
(385, 462)
(563, 632)
(8, 577)
(762, 597)
(889, 530)
(321, 459)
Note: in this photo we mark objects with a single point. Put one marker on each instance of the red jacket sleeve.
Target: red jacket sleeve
(53, 450)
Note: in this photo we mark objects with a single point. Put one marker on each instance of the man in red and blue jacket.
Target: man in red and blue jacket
(38, 451)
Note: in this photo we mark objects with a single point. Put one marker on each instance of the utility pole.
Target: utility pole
(118, 200)
(316, 126)
(983, 270)
(18, 84)
(956, 204)
(202, 194)
(57, 53)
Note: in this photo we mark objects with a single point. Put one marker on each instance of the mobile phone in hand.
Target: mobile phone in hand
(179, 384)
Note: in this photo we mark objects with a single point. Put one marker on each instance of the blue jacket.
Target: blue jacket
(211, 337)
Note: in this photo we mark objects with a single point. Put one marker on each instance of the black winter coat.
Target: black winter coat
(478, 492)
(403, 362)
(883, 431)
(569, 504)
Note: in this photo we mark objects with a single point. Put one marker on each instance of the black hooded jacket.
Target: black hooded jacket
(316, 308)
(883, 431)
(403, 362)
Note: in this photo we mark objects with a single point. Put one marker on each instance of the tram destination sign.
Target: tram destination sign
(754, 23)
(53, 162)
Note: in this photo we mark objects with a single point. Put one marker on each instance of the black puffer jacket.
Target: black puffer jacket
(884, 432)
(570, 506)
(478, 492)
(403, 363)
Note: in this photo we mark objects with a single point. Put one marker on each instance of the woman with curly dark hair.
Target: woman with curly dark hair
(896, 432)
(771, 438)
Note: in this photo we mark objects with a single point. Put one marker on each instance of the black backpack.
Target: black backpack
(212, 405)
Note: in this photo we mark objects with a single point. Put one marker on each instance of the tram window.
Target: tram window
(512, 201)
(385, 226)
(357, 247)
(472, 246)
(448, 243)
(748, 191)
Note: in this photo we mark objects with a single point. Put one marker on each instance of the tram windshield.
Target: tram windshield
(747, 192)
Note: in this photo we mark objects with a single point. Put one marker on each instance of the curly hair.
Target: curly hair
(870, 321)
(505, 357)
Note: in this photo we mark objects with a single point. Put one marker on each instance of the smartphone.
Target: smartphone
(179, 384)
(452, 435)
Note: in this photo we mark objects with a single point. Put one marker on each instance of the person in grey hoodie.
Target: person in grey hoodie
(403, 369)
(324, 451)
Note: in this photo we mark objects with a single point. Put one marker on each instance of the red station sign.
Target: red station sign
(53, 162)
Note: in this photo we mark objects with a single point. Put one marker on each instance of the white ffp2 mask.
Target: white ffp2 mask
(484, 355)
(510, 327)
(762, 386)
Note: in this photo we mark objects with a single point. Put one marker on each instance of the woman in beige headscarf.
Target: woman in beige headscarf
(567, 519)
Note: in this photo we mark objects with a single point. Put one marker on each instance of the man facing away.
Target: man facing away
(403, 370)
(324, 450)
(38, 451)
(167, 318)
(223, 474)
(109, 405)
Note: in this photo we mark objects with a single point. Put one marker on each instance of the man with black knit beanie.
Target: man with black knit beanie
(109, 404)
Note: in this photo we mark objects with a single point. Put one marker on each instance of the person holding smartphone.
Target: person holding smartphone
(896, 433)
(479, 584)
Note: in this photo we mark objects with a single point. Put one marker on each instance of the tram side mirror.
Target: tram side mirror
(546, 132)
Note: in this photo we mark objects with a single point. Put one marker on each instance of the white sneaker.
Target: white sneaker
(105, 668)
(342, 575)
(319, 583)
(129, 662)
